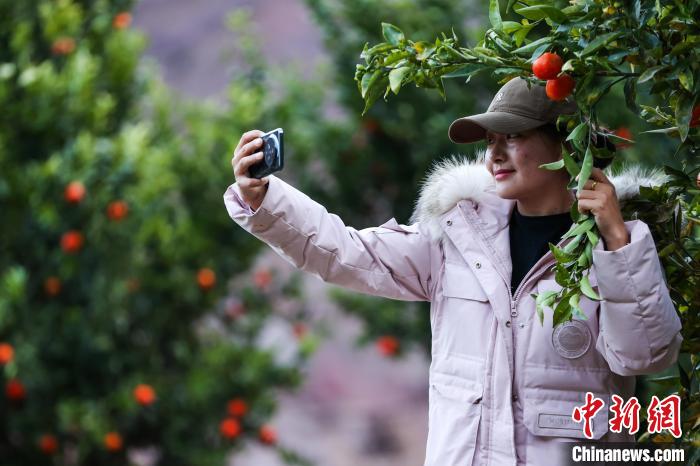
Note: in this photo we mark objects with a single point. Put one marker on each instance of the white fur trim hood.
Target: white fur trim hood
(455, 178)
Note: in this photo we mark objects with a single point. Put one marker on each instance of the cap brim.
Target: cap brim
(473, 128)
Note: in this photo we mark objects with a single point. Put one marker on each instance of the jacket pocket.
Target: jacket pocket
(453, 424)
(553, 416)
(464, 319)
(460, 282)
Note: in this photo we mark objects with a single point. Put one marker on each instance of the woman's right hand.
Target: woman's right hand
(247, 153)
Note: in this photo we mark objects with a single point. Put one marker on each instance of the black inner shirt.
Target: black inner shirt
(529, 236)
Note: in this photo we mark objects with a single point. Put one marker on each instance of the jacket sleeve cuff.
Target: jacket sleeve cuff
(634, 270)
(638, 323)
(236, 200)
(255, 221)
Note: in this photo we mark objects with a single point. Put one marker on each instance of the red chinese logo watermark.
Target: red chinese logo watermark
(661, 414)
(586, 412)
(626, 415)
(665, 414)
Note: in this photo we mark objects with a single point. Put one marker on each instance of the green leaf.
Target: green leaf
(686, 79)
(668, 250)
(560, 255)
(571, 245)
(664, 380)
(561, 275)
(685, 380)
(392, 34)
(542, 11)
(510, 27)
(495, 15)
(649, 73)
(617, 139)
(592, 237)
(670, 130)
(618, 56)
(558, 165)
(368, 80)
(571, 165)
(546, 297)
(573, 304)
(599, 42)
(13, 282)
(368, 53)
(540, 313)
(569, 65)
(587, 289)
(375, 90)
(684, 111)
(542, 300)
(579, 133)
(589, 254)
(532, 46)
(575, 214)
(683, 46)
(583, 260)
(396, 77)
(538, 52)
(580, 228)
(441, 89)
(522, 33)
(466, 70)
(585, 169)
(395, 57)
(426, 52)
(562, 312)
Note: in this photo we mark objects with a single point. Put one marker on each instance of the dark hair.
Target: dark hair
(555, 134)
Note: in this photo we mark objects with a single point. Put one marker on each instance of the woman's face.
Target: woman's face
(523, 153)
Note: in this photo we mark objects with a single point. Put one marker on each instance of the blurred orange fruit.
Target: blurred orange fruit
(72, 241)
(7, 352)
(387, 345)
(48, 444)
(63, 46)
(113, 441)
(52, 286)
(230, 428)
(15, 390)
(237, 407)
(262, 278)
(122, 20)
(117, 210)
(144, 394)
(74, 192)
(206, 278)
(267, 434)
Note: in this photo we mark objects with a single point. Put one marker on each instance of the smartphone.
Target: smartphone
(273, 155)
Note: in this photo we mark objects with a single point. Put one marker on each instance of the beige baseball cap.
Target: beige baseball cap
(515, 107)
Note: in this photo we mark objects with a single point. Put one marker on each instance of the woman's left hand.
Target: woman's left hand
(601, 201)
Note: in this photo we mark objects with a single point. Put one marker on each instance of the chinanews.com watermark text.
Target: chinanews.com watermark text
(662, 415)
(626, 453)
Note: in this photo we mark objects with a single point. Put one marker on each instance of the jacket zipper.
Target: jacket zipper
(528, 277)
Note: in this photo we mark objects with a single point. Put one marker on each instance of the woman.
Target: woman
(502, 386)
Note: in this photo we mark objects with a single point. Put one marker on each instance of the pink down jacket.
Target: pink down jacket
(502, 387)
